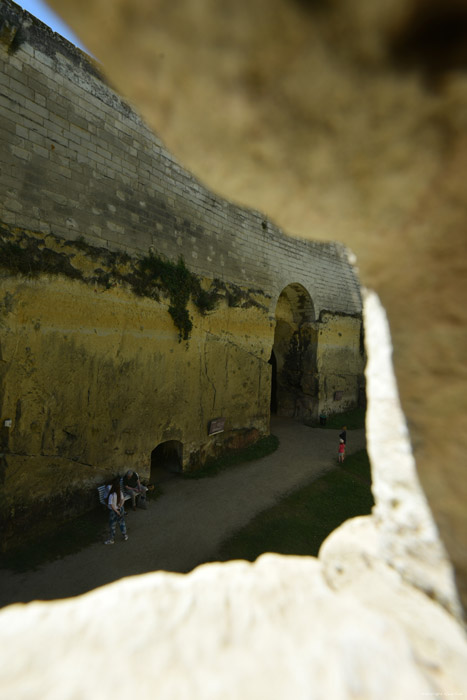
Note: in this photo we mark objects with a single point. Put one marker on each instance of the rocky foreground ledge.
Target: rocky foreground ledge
(376, 616)
(283, 627)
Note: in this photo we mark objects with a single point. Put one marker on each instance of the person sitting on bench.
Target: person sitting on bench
(134, 488)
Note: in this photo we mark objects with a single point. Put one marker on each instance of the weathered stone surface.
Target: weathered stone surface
(273, 628)
(93, 383)
(104, 380)
(343, 121)
(408, 537)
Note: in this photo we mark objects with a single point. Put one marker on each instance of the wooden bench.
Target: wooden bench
(103, 492)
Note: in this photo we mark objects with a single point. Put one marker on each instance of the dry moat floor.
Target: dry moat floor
(186, 525)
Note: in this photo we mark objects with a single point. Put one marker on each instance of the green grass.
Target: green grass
(299, 523)
(263, 447)
(354, 420)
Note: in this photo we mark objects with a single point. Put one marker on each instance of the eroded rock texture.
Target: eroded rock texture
(225, 644)
(341, 121)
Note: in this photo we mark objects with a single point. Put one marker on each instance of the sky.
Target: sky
(42, 11)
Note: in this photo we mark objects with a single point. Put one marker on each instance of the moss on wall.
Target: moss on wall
(93, 378)
(31, 254)
(93, 374)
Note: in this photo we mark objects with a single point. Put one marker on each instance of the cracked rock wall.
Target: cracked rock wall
(94, 382)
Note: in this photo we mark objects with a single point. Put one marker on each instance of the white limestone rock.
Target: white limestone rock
(272, 629)
(408, 537)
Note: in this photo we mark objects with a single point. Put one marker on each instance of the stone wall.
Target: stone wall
(339, 349)
(78, 161)
(343, 121)
(94, 377)
(94, 383)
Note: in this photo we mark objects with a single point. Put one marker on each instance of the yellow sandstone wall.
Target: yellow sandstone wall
(92, 374)
(340, 361)
(93, 380)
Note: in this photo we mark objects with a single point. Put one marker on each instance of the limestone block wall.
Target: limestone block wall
(78, 161)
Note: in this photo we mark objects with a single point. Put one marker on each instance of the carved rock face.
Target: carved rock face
(341, 121)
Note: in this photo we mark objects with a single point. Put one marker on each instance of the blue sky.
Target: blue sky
(42, 11)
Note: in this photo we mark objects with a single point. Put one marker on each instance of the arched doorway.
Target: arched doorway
(166, 460)
(294, 376)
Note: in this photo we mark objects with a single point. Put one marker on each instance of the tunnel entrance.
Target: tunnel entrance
(273, 363)
(166, 460)
(294, 379)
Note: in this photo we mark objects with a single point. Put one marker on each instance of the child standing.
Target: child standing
(341, 455)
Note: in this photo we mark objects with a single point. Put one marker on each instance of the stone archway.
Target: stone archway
(294, 350)
(166, 460)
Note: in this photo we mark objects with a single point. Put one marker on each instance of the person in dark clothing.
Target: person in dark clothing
(343, 434)
(134, 488)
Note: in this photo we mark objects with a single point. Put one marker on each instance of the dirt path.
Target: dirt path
(185, 526)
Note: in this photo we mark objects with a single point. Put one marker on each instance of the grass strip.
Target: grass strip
(300, 522)
(353, 420)
(261, 448)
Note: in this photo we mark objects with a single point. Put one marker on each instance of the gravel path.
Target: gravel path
(186, 524)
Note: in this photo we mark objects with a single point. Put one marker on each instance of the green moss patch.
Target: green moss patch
(31, 254)
(180, 284)
(28, 257)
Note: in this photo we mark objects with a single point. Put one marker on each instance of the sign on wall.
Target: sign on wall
(216, 426)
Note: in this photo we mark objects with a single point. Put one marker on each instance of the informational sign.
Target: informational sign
(338, 395)
(216, 426)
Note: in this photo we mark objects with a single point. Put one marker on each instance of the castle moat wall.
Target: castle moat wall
(95, 369)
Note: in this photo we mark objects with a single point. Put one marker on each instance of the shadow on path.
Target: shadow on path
(186, 525)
